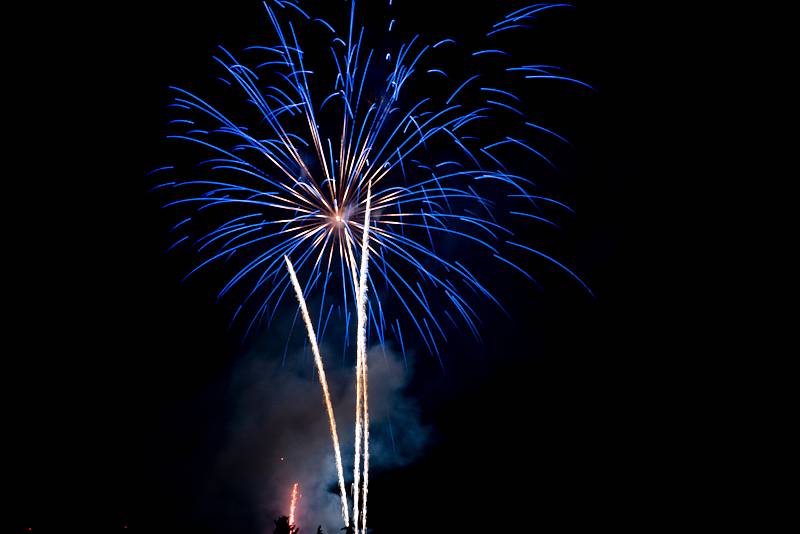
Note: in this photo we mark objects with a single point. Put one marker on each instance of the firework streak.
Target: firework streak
(324, 382)
(293, 505)
(362, 403)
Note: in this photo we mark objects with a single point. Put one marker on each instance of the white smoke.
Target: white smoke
(279, 435)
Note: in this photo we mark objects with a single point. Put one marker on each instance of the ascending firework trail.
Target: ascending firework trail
(293, 505)
(324, 382)
(362, 404)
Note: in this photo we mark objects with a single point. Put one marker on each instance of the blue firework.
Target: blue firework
(281, 165)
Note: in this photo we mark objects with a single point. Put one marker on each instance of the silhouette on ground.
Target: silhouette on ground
(282, 526)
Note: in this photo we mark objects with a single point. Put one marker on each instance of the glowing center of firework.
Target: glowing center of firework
(339, 217)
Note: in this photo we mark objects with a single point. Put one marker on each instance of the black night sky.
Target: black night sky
(120, 390)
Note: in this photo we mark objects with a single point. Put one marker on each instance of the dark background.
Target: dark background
(114, 366)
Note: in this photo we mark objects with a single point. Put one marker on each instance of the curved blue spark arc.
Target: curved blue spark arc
(288, 153)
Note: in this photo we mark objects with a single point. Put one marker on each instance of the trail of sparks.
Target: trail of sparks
(362, 403)
(363, 350)
(324, 382)
(293, 505)
(366, 443)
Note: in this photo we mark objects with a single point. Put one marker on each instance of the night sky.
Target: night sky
(120, 390)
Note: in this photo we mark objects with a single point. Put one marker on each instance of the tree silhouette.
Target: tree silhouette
(282, 526)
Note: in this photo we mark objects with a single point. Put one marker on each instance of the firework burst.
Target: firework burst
(286, 170)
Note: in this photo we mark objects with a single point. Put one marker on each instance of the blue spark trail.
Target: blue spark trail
(285, 171)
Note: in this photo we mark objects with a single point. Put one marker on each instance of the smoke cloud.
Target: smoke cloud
(278, 433)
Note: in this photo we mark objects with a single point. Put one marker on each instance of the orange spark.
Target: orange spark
(293, 504)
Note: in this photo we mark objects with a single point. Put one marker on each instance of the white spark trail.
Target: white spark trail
(312, 337)
(362, 404)
(366, 439)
